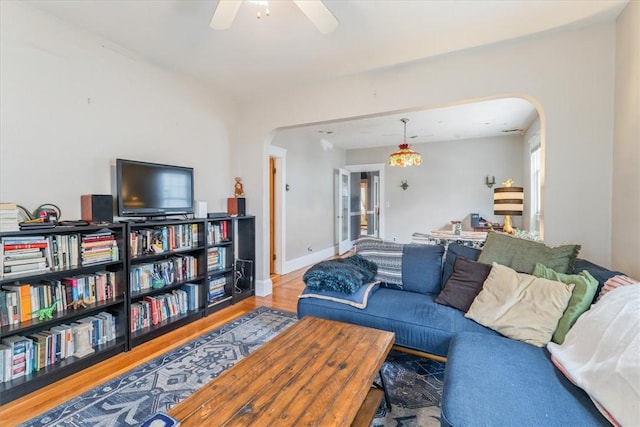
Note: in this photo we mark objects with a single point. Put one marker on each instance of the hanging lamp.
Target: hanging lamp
(405, 156)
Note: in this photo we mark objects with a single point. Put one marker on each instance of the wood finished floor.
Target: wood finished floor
(286, 289)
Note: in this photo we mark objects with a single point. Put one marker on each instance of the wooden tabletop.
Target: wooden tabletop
(317, 372)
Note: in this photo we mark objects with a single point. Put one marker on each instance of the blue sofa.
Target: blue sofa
(489, 379)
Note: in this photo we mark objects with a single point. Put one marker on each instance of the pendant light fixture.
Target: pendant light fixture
(405, 156)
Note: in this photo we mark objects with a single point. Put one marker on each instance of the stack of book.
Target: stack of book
(218, 232)
(216, 259)
(98, 247)
(22, 355)
(216, 289)
(23, 255)
(9, 217)
(156, 309)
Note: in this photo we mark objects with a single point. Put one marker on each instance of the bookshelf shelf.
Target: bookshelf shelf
(109, 292)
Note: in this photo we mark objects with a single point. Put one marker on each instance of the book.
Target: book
(5, 368)
(23, 294)
(18, 353)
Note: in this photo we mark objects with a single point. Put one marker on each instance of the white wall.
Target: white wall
(309, 201)
(449, 185)
(626, 152)
(568, 76)
(71, 103)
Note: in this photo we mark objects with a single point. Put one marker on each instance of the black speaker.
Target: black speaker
(236, 206)
(97, 207)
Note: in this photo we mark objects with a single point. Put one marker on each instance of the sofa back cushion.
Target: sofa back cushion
(422, 268)
(453, 251)
(410, 267)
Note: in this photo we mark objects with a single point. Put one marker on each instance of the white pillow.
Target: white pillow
(601, 355)
(520, 306)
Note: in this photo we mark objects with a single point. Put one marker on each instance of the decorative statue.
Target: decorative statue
(238, 190)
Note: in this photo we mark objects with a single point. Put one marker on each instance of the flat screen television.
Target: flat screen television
(151, 189)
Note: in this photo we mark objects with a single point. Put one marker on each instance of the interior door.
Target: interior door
(341, 209)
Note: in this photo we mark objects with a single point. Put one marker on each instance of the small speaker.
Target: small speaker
(201, 209)
(237, 206)
(96, 208)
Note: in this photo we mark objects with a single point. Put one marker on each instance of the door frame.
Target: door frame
(279, 156)
(380, 168)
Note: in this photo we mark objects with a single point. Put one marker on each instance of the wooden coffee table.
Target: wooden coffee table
(316, 373)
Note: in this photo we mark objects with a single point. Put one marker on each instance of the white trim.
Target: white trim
(280, 156)
(304, 261)
(264, 287)
(380, 168)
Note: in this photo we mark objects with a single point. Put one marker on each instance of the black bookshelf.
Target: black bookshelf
(235, 268)
(107, 297)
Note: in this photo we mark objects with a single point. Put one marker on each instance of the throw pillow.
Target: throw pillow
(600, 355)
(464, 284)
(581, 297)
(523, 255)
(520, 306)
(455, 250)
(616, 282)
(358, 299)
(345, 275)
(386, 255)
(422, 268)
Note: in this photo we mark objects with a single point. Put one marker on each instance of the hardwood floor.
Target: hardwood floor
(286, 289)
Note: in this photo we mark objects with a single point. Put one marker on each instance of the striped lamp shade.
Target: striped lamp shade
(508, 201)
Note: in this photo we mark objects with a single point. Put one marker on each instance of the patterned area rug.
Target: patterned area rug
(414, 384)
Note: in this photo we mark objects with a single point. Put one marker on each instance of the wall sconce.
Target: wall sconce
(404, 185)
(489, 181)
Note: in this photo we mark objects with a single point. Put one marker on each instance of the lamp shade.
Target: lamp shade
(405, 157)
(508, 201)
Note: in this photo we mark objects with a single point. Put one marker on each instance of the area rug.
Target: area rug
(414, 384)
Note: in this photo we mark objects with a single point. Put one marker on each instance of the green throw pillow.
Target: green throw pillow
(523, 255)
(583, 293)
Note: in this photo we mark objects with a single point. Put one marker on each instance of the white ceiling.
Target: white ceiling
(284, 50)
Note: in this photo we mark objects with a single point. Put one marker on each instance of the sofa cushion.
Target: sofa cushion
(520, 306)
(523, 255)
(464, 284)
(417, 320)
(601, 354)
(453, 251)
(422, 268)
(358, 299)
(386, 255)
(496, 381)
(581, 297)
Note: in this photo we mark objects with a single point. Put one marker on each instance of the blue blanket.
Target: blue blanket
(344, 275)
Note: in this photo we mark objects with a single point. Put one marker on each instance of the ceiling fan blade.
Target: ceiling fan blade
(318, 14)
(224, 14)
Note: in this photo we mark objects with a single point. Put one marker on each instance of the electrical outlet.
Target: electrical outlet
(310, 249)
(395, 238)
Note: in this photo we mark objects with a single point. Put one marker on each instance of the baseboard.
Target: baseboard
(304, 261)
(264, 287)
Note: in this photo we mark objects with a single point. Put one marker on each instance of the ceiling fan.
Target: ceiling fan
(315, 10)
